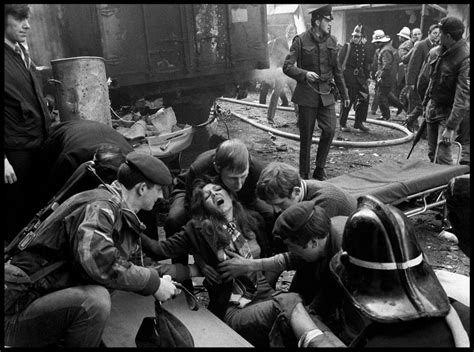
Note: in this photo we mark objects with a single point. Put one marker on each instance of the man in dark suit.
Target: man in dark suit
(317, 74)
(420, 52)
(26, 123)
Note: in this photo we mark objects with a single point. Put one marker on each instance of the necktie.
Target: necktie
(19, 49)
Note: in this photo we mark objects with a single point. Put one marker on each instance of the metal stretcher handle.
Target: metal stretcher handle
(435, 159)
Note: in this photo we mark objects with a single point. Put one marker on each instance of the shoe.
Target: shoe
(345, 129)
(411, 126)
(362, 128)
(383, 118)
(319, 174)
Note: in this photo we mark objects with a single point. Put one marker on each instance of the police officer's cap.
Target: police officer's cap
(451, 25)
(321, 11)
(294, 218)
(152, 168)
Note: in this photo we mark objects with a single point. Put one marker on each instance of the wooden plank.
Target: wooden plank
(129, 309)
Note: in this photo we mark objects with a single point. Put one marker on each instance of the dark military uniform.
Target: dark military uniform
(356, 74)
(316, 101)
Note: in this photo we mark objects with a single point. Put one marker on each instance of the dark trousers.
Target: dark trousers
(415, 108)
(22, 198)
(387, 99)
(361, 106)
(326, 117)
(464, 137)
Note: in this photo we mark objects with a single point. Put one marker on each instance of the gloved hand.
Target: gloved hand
(167, 289)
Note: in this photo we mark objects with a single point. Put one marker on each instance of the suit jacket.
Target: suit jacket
(319, 55)
(25, 114)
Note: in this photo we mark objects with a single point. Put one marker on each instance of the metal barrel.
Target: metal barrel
(81, 89)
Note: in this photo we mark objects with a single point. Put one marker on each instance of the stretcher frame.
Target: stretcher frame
(431, 197)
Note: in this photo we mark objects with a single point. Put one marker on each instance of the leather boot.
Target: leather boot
(360, 126)
(319, 174)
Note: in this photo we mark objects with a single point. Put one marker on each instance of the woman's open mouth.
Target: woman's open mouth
(220, 201)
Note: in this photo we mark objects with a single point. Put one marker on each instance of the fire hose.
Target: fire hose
(364, 144)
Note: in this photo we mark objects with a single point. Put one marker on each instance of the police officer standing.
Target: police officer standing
(317, 74)
(354, 59)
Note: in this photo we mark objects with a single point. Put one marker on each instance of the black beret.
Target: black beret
(294, 218)
(321, 11)
(451, 25)
(152, 168)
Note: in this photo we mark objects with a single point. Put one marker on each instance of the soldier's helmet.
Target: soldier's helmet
(381, 268)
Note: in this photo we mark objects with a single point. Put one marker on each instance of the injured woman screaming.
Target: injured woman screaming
(248, 304)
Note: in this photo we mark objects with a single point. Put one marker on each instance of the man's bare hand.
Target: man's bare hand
(211, 274)
(447, 136)
(10, 176)
(312, 76)
(234, 267)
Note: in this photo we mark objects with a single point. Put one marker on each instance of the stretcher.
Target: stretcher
(397, 182)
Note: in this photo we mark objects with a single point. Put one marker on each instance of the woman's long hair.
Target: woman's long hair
(212, 219)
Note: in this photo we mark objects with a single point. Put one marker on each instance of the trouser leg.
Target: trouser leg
(21, 199)
(264, 88)
(307, 120)
(326, 117)
(344, 112)
(383, 102)
(464, 137)
(434, 131)
(361, 106)
(76, 315)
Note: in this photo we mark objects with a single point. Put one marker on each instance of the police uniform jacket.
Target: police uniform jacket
(319, 55)
(449, 88)
(356, 71)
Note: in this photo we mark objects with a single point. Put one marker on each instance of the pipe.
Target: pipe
(295, 137)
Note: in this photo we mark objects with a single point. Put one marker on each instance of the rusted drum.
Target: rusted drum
(81, 89)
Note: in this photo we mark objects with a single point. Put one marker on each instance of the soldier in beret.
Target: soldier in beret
(312, 239)
(95, 233)
(312, 62)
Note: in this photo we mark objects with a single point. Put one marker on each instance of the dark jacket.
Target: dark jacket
(358, 59)
(25, 114)
(72, 143)
(420, 51)
(310, 53)
(387, 65)
(449, 89)
(96, 234)
(204, 166)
